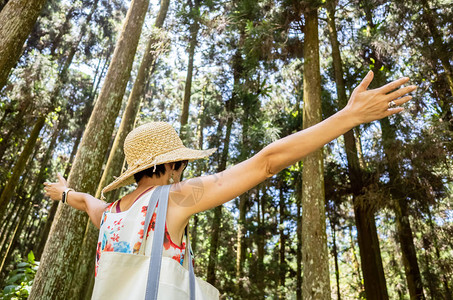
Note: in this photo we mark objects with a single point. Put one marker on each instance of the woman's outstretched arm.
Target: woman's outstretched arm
(81, 201)
(202, 193)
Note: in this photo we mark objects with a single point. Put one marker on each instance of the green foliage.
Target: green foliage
(19, 281)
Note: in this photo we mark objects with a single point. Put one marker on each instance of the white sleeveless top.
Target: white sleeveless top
(123, 231)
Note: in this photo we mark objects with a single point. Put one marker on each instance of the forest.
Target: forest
(369, 216)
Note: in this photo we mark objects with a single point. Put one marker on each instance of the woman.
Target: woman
(156, 156)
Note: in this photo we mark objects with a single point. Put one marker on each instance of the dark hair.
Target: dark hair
(159, 171)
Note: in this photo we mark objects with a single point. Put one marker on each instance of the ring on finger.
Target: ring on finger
(392, 104)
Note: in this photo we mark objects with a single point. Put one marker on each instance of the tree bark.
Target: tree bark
(356, 264)
(298, 192)
(216, 222)
(282, 266)
(85, 271)
(17, 18)
(194, 27)
(55, 274)
(316, 282)
(260, 243)
(370, 255)
(403, 228)
(335, 254)
(116, 156)
(20, 165)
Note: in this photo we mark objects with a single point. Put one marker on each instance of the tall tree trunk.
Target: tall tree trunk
(356, 264)
(85, 116)
(335, 255)
(116, 156)
(17, 18)
(216, 222)
(282, 266)
(316, 283)
(16, 126)
(57, 268)
(35, 194)
(403, 228)
(85, 271)
(298, 193)
(370, 255)
(200, 169)
(194, 27)
(448, 295)
(9, 231)
(260, 243)
(20, 224)
(20, 165)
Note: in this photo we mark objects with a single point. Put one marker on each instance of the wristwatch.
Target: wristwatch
(65, 195)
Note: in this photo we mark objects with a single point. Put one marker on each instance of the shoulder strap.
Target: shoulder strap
(152, 286)
(152, 203)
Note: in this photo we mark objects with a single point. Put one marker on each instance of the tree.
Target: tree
(372, 268)
(17, 19)
(316, 280)
(194, 27)
(66, 235)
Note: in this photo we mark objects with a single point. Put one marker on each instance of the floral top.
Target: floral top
(123, 231)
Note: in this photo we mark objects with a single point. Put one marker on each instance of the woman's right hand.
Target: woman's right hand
(55, 190)
(370, 105)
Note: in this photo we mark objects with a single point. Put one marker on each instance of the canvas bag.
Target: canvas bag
(138, 276)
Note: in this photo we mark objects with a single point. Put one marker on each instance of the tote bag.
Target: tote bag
(124, 276)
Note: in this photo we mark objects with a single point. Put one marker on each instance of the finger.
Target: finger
(393, 111)
(403, 100)
(393, 85)
(401, 92)
(366, 81)
(61, 179)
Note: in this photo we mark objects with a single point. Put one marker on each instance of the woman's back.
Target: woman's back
(123, 231)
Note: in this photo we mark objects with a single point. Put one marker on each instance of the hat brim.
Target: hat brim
(179, 154)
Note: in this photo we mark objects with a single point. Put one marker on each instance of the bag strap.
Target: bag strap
(152, 286)
(152, 203)
(188, 255)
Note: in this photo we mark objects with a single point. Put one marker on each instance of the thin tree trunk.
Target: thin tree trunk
(10, 231)
(200, 168)
(20, 165)
(370, 255)
(298, 193)
(335, 256)
(404, 231)
(316, 283)
(448, 294)
(8, 224)
(194, 27)
(282, 266)
(85, 271)
(260, 234)
(59, 260)
(17, 126)
(216, 222)
(116, 155)
(20, 221)
(356, 264)
(17, 18)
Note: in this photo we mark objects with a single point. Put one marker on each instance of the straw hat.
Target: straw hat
(149, 145)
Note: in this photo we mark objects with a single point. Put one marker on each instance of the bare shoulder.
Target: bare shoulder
(190, 192)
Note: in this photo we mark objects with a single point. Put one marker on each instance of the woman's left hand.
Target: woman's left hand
(55, 190)
(370, 105)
